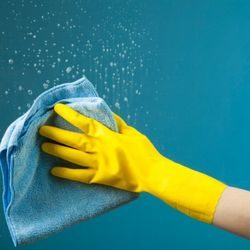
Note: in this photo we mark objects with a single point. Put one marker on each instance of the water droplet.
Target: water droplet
(45, 85)
(117, 105)
(11, 61)
(68, 70)
(30, 92)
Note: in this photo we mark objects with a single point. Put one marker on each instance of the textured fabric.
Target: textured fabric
(37, 204)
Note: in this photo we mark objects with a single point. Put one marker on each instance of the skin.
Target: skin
(233, 212)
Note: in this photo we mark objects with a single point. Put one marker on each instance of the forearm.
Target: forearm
(191, 192)
(233, 211)
(202, 197)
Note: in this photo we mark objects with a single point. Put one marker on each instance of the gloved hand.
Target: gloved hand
(128, 160)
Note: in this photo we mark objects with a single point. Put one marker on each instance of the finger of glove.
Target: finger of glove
(84, 123)
(69, 154)
(66, 137)
(81, 175)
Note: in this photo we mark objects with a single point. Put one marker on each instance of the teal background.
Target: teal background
(178, 71)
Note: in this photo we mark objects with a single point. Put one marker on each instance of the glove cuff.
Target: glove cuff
(189, 191)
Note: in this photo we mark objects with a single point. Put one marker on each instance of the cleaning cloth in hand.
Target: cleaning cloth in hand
(37, 204)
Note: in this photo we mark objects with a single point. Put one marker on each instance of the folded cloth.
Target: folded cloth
(37, 204)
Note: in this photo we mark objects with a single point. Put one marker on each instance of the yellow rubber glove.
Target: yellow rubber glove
(128, 160)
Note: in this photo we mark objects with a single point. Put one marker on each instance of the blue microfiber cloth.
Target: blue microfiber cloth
(37, 204)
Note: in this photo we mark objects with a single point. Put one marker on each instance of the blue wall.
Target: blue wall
(179, 71)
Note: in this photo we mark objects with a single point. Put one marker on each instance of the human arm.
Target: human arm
(233, 211)
(129, 161)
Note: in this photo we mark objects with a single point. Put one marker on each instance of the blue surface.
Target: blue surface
(191, 57)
